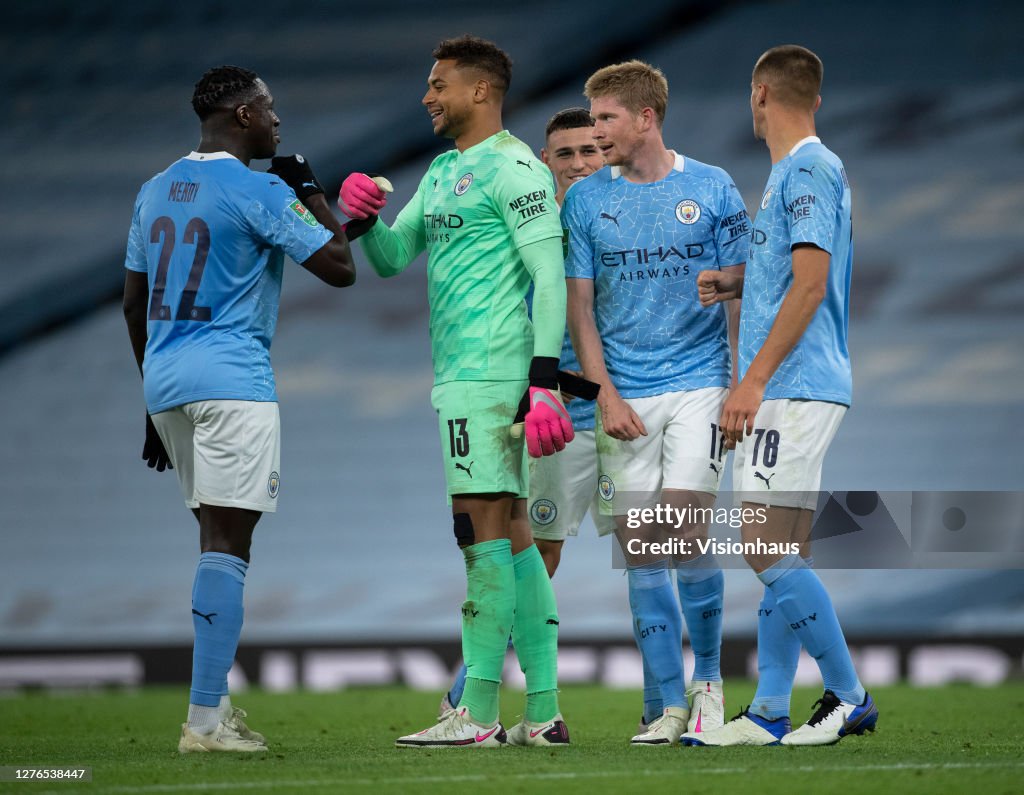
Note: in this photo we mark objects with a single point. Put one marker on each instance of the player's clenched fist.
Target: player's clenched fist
(362, 196)
(297, 174)
(547, 424)
(716, 286)
(548, 427)
(620, 421)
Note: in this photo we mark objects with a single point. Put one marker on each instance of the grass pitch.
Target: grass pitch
(954, 739)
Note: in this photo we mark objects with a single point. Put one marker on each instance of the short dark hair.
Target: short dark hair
(569, 119)
(221, 87)
(476, 53)
(793, 72)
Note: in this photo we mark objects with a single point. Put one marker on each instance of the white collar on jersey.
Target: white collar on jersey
(679, 165)
(810, 139)
(210, 156)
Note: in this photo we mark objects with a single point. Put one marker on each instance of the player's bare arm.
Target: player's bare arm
(617, 418)
(331, 263)
(136, 301)
(732, 315)
(810, 277)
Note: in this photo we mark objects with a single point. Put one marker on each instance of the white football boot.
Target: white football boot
(455, 729)
(666, 730)
(234, 721)
(552, 733)
(744, 729)
(707, 706)
(833, 720)
(223, 738)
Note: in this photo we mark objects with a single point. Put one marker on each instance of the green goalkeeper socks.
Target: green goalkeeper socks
(487, 617)
(535, 634)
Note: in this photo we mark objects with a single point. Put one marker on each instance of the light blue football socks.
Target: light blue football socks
(217, 613)
(659, 629)
(807, 609)
(701, 590)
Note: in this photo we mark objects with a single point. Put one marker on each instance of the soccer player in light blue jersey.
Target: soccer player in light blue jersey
(564, 487)
(638, 232)
(795, 388)
(202, 287)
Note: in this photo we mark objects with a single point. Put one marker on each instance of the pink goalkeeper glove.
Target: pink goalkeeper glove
(548, 427)
(362, 196)
(541, 411)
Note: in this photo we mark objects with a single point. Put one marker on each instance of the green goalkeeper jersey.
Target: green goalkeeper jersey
(474, 212)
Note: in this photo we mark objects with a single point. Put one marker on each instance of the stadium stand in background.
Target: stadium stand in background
(928, 111)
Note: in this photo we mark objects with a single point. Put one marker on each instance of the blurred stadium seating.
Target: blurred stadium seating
(926, 110)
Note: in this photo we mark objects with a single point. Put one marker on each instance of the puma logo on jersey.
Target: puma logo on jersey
(207, 616)
(522, 163)
(613, 218)
(465, 468)
(808, 171)
(713, 467)
(767, 480)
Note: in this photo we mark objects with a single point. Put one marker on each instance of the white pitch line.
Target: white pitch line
(369, 782)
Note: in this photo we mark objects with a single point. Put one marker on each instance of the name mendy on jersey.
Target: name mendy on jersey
(649, 256)
(182, 191)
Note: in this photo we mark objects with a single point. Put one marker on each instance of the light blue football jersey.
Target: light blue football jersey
(807, 200)
(211, 234)
(643, 245)
(581, 412)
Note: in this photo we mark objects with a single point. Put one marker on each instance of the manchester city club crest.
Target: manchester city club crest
(273, 484)
(687, 211)
(543, 512)
(463, 184)
(606, 488)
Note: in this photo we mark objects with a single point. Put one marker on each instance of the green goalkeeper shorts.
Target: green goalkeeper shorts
(480, 454)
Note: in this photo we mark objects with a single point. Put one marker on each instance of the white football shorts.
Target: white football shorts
(683, 450)
(225, 452)
(563, 487)
(780, 462)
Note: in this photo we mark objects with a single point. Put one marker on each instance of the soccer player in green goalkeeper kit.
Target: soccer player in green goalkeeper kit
(485, 213)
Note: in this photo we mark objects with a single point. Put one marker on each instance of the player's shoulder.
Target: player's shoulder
(509, 148)
(811, 157)
(716, 175)
(515, 160)
(816, 163)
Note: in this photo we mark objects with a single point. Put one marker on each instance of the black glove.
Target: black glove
(297, 175)
(543, 375)
(153, 451)
(577, 386)
(358, 227)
